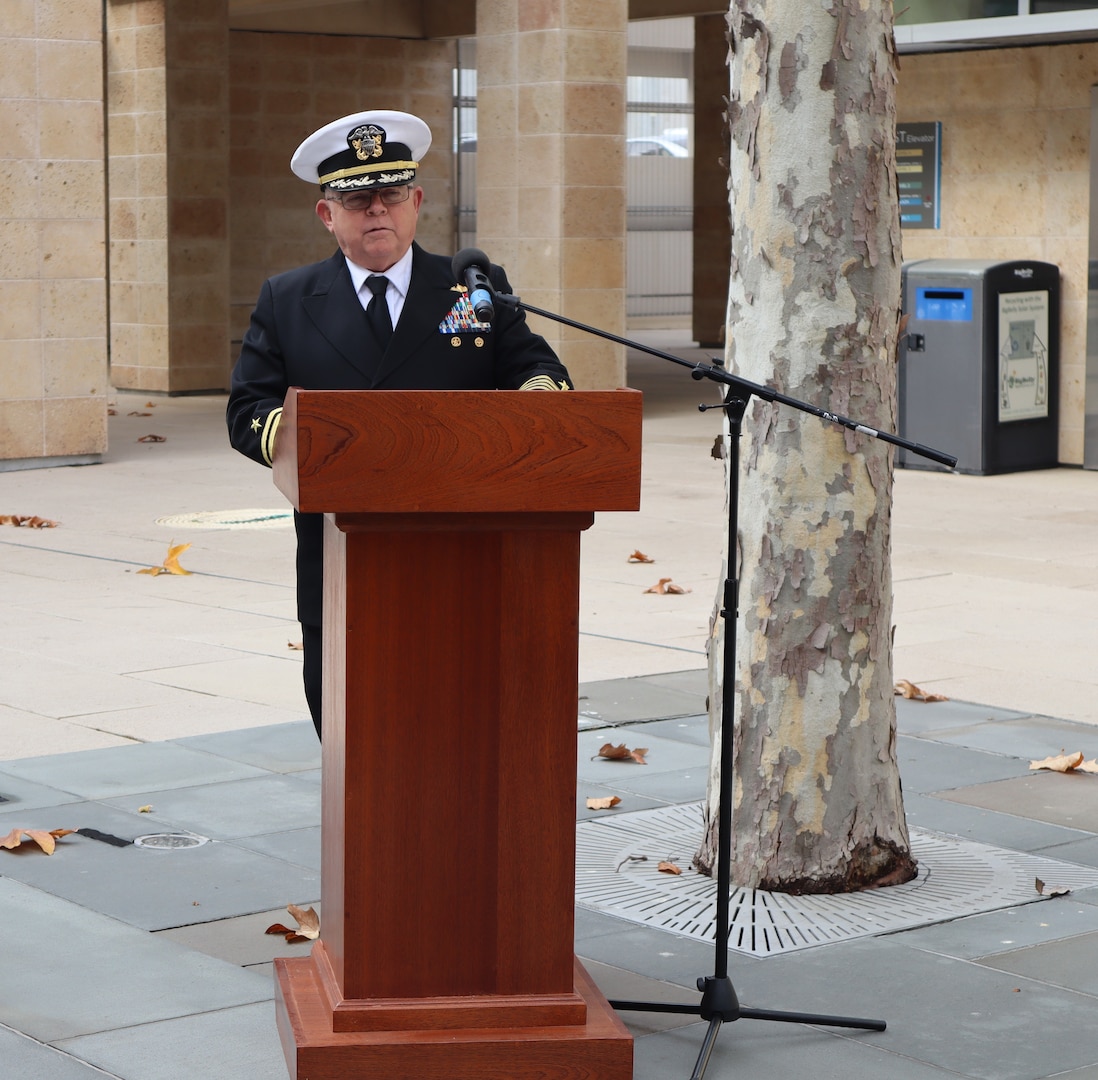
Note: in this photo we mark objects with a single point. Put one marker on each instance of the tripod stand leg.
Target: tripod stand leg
(706, 1048)
(813, 1018)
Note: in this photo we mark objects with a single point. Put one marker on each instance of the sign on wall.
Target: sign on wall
(918, 172)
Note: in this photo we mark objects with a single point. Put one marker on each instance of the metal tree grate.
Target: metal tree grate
(229, 519)
(956, 878)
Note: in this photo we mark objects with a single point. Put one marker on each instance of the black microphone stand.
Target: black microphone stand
(719, 1004)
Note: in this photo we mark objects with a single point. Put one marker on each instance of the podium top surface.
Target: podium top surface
(459, 451)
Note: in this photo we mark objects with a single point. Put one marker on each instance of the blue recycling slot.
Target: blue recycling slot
(944, 305)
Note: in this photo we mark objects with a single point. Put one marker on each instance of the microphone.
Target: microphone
(470, 266)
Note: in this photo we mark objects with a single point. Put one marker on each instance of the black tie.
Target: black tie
(377, 313)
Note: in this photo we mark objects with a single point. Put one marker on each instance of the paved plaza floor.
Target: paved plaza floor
(135, 705)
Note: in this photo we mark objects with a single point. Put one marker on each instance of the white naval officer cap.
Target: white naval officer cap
(372, 149)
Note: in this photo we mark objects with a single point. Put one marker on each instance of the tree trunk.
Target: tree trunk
(813, 311)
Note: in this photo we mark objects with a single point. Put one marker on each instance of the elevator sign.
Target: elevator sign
(918, 173)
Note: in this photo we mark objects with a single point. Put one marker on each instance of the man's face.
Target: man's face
(374, 238)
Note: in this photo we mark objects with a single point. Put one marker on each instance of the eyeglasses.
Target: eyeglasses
(363, 200)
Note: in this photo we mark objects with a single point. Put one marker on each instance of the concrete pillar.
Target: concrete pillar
(53, 315)
(712, 231)
(551, 192)
(168, 173)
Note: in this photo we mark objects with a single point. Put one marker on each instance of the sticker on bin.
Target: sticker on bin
(944, 305)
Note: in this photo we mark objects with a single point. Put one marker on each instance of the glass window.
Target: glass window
(924, 11)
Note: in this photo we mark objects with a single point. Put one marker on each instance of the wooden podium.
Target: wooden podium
(451, 595)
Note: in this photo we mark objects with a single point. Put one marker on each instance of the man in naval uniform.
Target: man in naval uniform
(380, 314)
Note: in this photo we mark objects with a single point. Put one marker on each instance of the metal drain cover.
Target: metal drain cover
(171, 841)
(956, 878)
(229, 519)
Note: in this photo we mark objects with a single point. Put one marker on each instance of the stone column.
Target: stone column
(712, 229)
(168, 151)
(53, 313)
(551, 171)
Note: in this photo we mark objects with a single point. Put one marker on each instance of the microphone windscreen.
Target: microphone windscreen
(466, 258)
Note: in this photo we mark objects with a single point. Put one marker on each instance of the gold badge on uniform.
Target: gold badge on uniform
(478, 342)
(455, 341)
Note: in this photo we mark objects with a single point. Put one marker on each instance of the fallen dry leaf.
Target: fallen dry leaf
(171, 563)
(308, 925)
(297, 646)
(639, 557)
(665, 587)
(622, 753)
(910, 691)
(668, 867)
(1050, 890)
(607, 802)
(1059, 762)
(26, 521)
(145, 809)
(153, 438)
(1088, 766)
(46, 840)
(136, 413)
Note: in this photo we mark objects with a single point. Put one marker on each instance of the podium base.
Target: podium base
(600, 1049)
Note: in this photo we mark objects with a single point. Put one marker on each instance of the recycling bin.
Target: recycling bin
(979, 363)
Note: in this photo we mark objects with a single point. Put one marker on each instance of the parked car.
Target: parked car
(654, 146)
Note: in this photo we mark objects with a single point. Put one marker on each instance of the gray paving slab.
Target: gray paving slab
(992, 827)
(617, 984)
(629, 801)
(81, 972)
(240, 1042)
(678, 786)
(664, 755)
(767, 1051)
(1008, 929)
(243, 940)
(1028, 737)
(27, 1059)
(128, 770)
(622, 701)
(298, 846)
(1083, 851)
(656, 954)
(923, 717)
(693, 681)
(927, 766)
(17, 793)
(688, 729)
(259, 804)
(1067, 962)
(283, 748)
(940, 1010)
(151, 888)
(1068, 799)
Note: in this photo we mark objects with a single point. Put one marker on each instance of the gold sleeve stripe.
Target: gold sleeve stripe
(267, 439)
(543, 382)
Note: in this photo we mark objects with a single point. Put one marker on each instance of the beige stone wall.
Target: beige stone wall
(167, 103)
(1015, 176)
(53, 320)
(551, 172)
(285, 86)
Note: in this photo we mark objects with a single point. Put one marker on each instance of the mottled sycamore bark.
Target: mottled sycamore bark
(813, 311)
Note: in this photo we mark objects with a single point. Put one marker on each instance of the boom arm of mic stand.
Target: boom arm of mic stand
(718, 374)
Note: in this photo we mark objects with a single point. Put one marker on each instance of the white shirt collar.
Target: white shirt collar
(400, 279)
